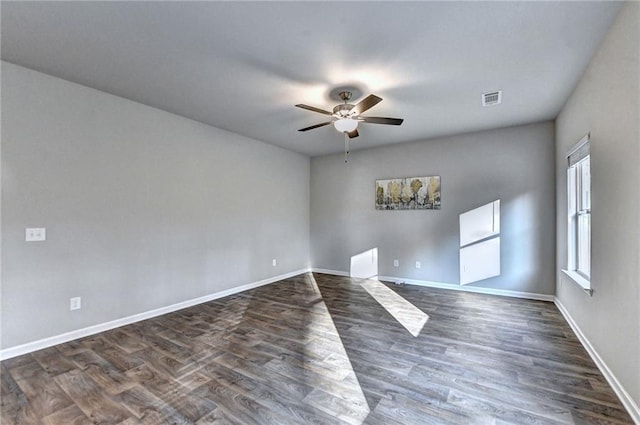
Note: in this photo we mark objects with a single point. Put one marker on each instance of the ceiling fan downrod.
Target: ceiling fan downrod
(345, 95)
(344, 110)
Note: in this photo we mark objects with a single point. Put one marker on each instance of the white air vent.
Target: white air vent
(492, 98)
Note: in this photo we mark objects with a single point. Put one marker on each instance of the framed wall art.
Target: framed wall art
(408, 193)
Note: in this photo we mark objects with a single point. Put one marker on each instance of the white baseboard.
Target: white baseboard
(451, 286)
(30, 347)
(623, 395)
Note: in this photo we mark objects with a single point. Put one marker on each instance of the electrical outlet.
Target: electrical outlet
(33, 234)
(274, 262)
(75, 303)
(396, 263)
(418, 265)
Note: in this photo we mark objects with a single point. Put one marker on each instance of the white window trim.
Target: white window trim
(575, 276)
(580, 280)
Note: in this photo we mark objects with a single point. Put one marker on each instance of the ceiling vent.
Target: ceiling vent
(492, 98)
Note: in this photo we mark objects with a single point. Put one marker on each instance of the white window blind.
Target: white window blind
(579, 152)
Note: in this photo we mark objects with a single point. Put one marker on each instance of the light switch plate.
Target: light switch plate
(396, 263)
(35, 234)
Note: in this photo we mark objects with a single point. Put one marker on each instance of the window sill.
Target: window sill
(580, 280)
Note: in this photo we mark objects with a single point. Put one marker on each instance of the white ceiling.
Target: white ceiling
(242, 66)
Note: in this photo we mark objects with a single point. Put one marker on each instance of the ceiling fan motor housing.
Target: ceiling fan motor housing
(343, 110)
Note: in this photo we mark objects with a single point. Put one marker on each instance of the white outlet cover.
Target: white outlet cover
(396, 263)
(75, 303)
(418, 265)
(274, 262)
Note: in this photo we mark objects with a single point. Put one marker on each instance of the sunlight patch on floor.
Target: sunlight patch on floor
(337, 389)
(409, 316)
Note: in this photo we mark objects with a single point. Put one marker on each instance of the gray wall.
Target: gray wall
(143, 209)
(515, 165)
(606, 104)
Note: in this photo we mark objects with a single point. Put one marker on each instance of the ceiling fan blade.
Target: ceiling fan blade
(313, 109)
(353, 134)
(322, 124)
(366, 103)
(381, 120)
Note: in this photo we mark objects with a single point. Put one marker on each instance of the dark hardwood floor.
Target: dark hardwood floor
(297, 352)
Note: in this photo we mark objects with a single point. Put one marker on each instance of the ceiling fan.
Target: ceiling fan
(345, 117)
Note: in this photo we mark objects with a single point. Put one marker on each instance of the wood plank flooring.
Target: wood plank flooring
(318, 349)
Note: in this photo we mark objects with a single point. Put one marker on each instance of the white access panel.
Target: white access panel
(480, 223)
(480, 261)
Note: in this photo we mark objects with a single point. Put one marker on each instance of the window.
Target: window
(579, 212)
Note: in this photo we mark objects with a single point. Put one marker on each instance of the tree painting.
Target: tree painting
(394, 189)
(416, 184)
(407, 194)
(411, 193)
(379, 194)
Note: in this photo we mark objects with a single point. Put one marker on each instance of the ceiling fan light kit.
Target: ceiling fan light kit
(345, 125)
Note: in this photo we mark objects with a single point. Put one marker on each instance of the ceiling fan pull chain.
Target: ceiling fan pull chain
(346, 147)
